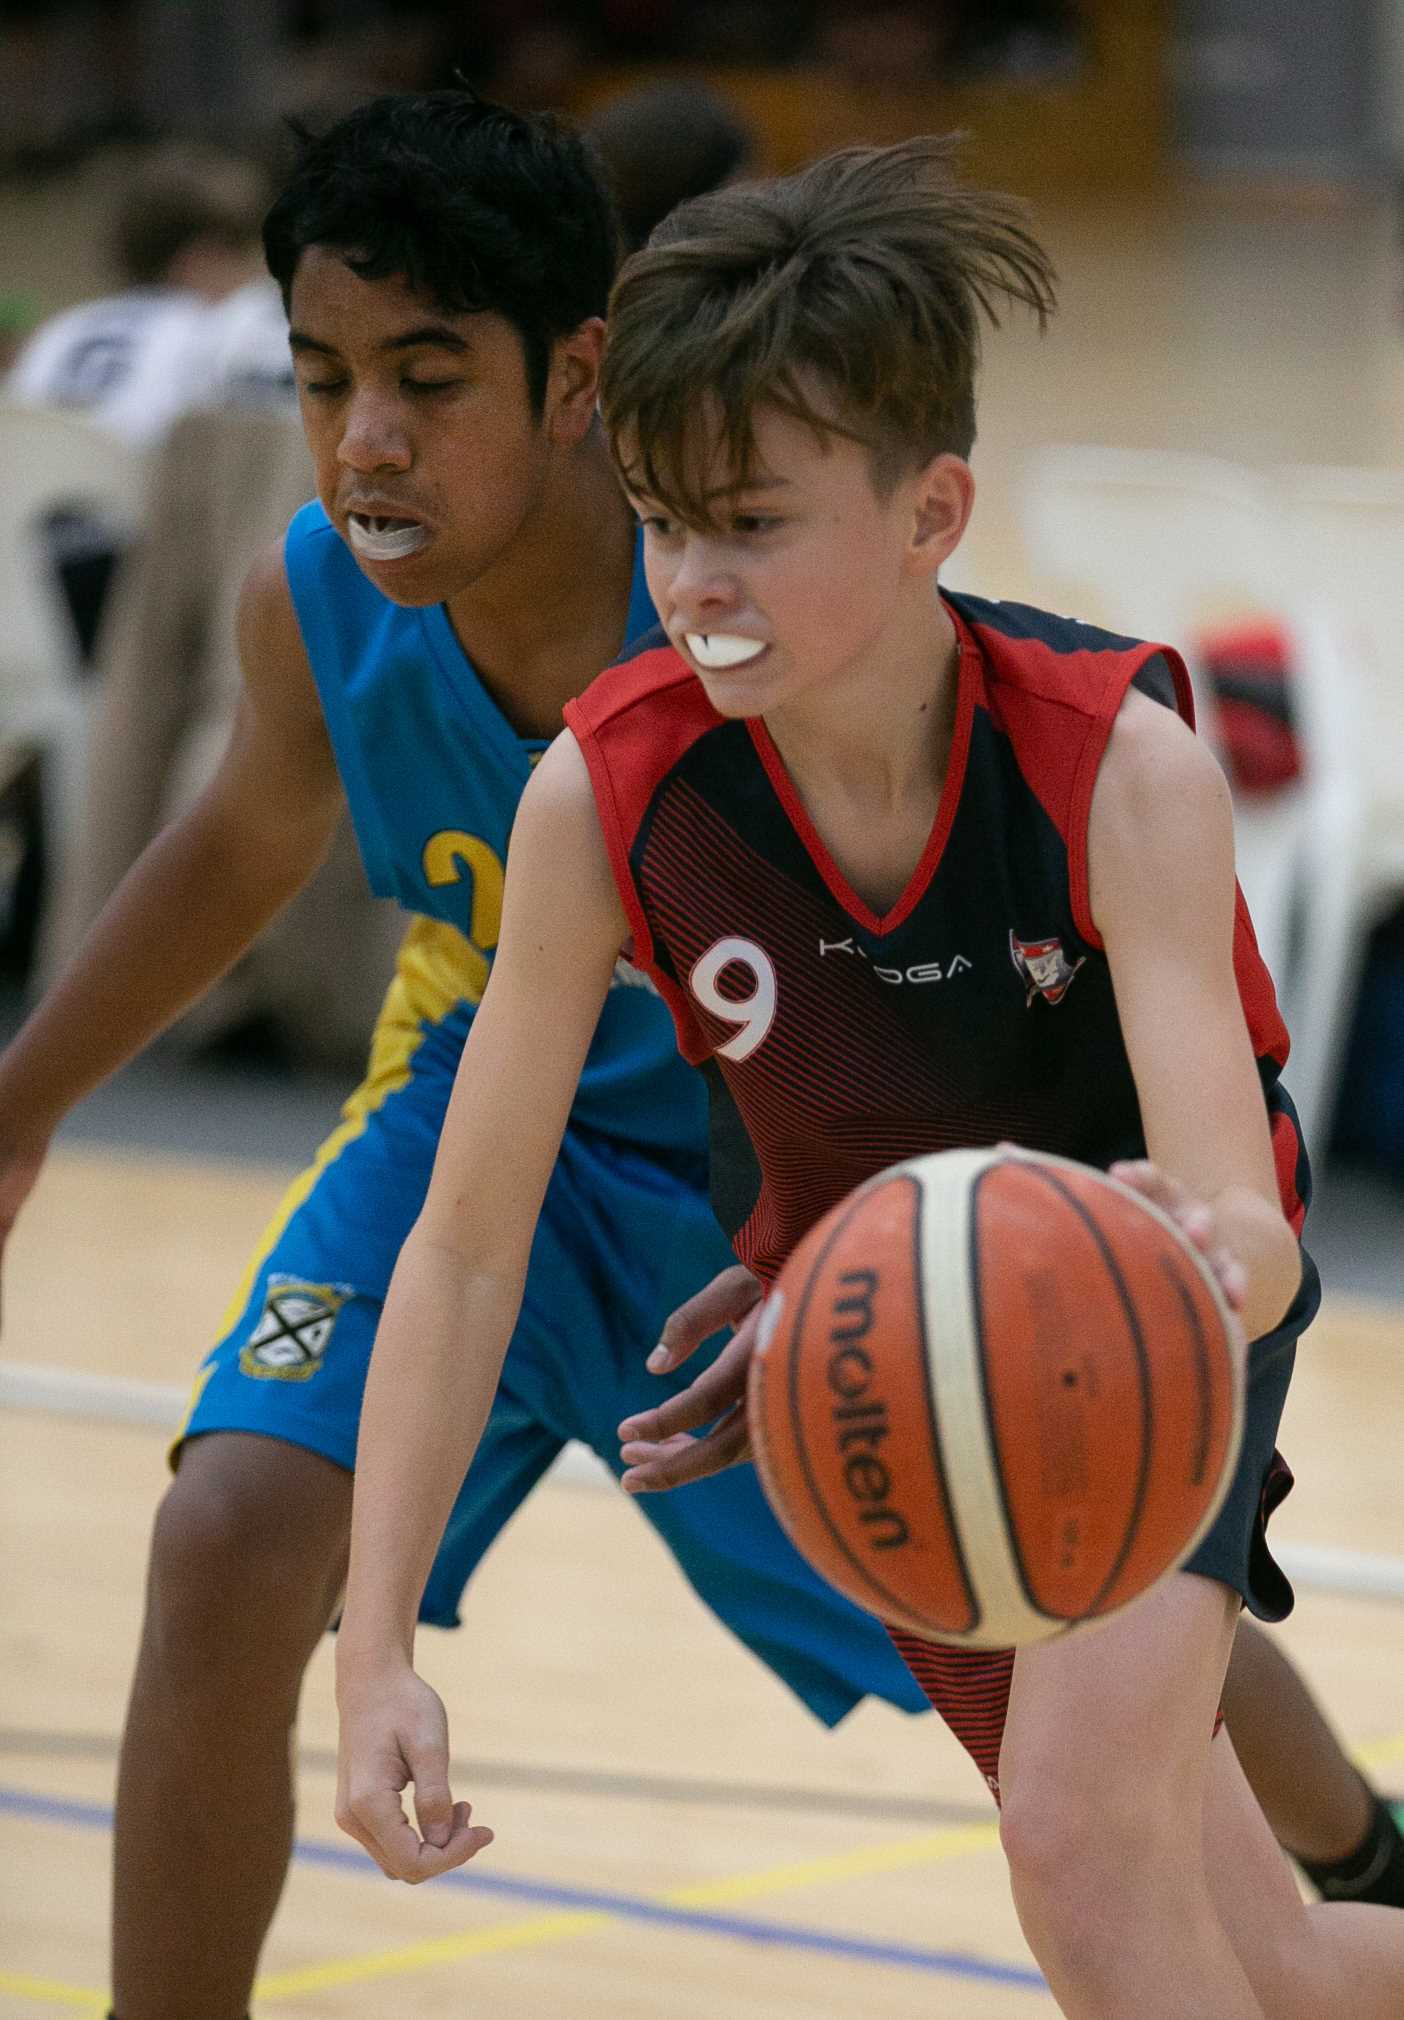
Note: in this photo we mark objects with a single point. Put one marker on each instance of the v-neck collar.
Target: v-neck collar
(858, 909)
(467, 685)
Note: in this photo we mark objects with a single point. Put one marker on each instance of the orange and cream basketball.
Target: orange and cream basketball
(995, 1396)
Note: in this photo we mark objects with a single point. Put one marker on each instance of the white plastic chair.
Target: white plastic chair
(1167, 546)
(51, 460)
(1345, 540)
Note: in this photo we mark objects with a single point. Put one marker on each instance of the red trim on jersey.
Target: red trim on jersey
(645, 743)
(1287, 1157)
(1057, 708)
(967, 673)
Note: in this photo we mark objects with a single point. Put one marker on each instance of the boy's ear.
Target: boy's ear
(573, 382)
(944, 492)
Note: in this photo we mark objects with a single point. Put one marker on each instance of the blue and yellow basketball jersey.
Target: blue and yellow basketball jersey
(433, 772)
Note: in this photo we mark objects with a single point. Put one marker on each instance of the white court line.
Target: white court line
(161, 1406)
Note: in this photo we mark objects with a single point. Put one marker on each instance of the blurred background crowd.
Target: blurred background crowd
(78, 72)
(1218, 180)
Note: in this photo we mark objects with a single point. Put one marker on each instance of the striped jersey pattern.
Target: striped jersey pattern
(978, 1008)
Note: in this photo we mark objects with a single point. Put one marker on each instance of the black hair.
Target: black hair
(476, 207)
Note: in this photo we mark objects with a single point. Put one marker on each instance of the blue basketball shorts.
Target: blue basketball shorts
(625, 1235)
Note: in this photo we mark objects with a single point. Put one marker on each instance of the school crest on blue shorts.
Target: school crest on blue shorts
(293, 1331)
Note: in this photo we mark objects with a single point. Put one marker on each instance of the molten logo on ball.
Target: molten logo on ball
(861, 1418)
(997, 1395)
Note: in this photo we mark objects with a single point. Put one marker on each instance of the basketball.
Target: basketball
(994, 1396)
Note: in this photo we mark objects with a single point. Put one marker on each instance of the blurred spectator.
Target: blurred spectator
(879, 44)
(184, 236)
(248, 363)
(1019, 40)
(68, 79)
(222, 485)
(535, 49)
(662, 144)
(888, 43)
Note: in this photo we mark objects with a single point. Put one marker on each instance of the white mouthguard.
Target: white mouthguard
(717, 650)
(381, 540)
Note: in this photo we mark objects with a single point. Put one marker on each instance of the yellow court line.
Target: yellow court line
(1381, 1752)
(952, 1843)
(51, 1993)
(423, 1956)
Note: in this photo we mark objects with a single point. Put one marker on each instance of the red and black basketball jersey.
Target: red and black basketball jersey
(978, 1008)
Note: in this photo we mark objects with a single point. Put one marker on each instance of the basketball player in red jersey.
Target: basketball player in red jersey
(911, 870)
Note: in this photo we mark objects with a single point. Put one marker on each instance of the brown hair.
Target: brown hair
(179, 197)
(861, 279)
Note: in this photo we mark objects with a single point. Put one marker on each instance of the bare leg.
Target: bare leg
(1103, 1771)
(1318, 1804)
(1305, 1962)
(247, 1563)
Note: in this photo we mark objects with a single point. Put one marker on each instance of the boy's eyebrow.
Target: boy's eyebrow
(437, 336)
(736, 490)
(758, 481)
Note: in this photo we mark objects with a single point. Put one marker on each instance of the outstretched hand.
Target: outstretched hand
(393, 1732)
(657, 1446)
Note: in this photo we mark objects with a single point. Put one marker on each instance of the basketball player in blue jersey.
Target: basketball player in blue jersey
(911, 870)
(407, 650)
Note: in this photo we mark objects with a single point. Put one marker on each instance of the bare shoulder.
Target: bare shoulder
(278, 679)
(560, 802)
(1156, 774)
(267, 619)
(1160, 832)
(559, 843)
(561, 781)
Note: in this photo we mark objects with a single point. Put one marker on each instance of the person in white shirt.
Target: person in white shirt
(184, 240)
(185, 236)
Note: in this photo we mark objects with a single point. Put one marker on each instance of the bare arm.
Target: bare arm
(1160, 854)
(453, 1302)
(197, 896)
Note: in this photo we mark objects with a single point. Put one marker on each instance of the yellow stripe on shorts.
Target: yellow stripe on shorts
(436, 969)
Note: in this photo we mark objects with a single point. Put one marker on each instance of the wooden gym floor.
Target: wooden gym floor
(675, 1839)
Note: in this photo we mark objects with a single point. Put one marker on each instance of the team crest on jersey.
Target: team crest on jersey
(290, 1340)
(1044, 966)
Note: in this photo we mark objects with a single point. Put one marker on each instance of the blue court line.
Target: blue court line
(630, 1907)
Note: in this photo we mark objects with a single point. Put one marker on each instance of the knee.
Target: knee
(239, 1571)
(1073, 1851)
(1045, 1831)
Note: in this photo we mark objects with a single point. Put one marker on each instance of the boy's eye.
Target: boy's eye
(657, 525)
(323, 386)
(754, 522)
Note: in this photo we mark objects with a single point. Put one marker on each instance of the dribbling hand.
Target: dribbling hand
(1195, 1220)
(657, 1446)
(394, 1731)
